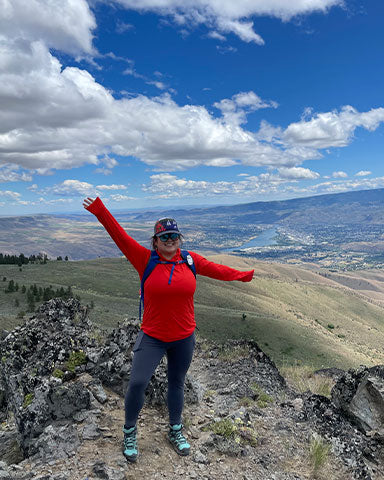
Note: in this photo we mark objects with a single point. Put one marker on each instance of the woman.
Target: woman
(168, 322)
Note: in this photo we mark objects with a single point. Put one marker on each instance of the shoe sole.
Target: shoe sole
(179, 452)
(130, 459)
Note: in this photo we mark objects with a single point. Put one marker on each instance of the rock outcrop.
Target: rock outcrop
(41, 360)
(61, 401)
(360, 395)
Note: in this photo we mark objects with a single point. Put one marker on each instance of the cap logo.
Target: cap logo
(160, 228)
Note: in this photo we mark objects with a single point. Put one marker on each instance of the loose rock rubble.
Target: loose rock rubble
(61, 402)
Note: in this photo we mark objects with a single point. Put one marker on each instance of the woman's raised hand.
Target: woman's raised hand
(88, 202)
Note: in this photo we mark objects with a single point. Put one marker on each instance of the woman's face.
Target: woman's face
(167, 249)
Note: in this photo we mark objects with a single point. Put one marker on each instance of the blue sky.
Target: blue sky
(181, 102)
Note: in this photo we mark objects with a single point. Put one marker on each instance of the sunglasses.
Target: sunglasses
(166, 236)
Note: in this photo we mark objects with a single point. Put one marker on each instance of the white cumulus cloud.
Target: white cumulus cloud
(76, 188)
(60, 118)
(332, 129)
(363, 173)
(55, 118)
(10, 194)
(216, 35)
(71, 188)
(65, 25)
(111, 187)
(298, 173)
(12, 173)
(121, 198)
(339, 174)
(235, 109)
(341, 186)
(228, 15)
(243, 30)
(166, 185)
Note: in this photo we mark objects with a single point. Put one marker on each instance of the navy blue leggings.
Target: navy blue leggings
(148, 352)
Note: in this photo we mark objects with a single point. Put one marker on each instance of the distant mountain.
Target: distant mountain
(364, 206)
(332, 219)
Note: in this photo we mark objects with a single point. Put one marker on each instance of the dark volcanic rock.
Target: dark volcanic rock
(352, 446)
(42, 359)
(240, 369)
(57, 371)
(333, 372)
(55, 442)
(52, 401)
(10, 449)
(360, 395)
(31, 355)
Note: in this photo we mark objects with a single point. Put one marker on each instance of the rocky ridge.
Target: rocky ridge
(61, 405)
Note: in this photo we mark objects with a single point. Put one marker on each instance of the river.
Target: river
(266, 238)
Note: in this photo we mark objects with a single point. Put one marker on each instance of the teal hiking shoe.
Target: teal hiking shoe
(130, 450)
(177, 440)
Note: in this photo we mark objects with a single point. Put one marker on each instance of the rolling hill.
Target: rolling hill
(298, 316)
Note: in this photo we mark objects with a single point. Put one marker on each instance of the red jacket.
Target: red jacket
(169, 310)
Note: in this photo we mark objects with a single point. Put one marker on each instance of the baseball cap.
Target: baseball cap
(165, 225)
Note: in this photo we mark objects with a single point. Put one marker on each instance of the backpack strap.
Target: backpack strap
(187, 257)
(154, 259)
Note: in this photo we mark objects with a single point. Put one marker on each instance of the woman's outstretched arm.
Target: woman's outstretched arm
(135, 253)
(219, 272)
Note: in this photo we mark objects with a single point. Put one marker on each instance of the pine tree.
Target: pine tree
(46, 294)
(68, 293)
(11, 287)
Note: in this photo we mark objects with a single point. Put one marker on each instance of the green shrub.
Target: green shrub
(246, 401)
(235, 430)
(28, 399)
(263, 399)
(75, 360)
(226, 428)
(98, 336)
(58, 373)
(331, 326)
(209, 394)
